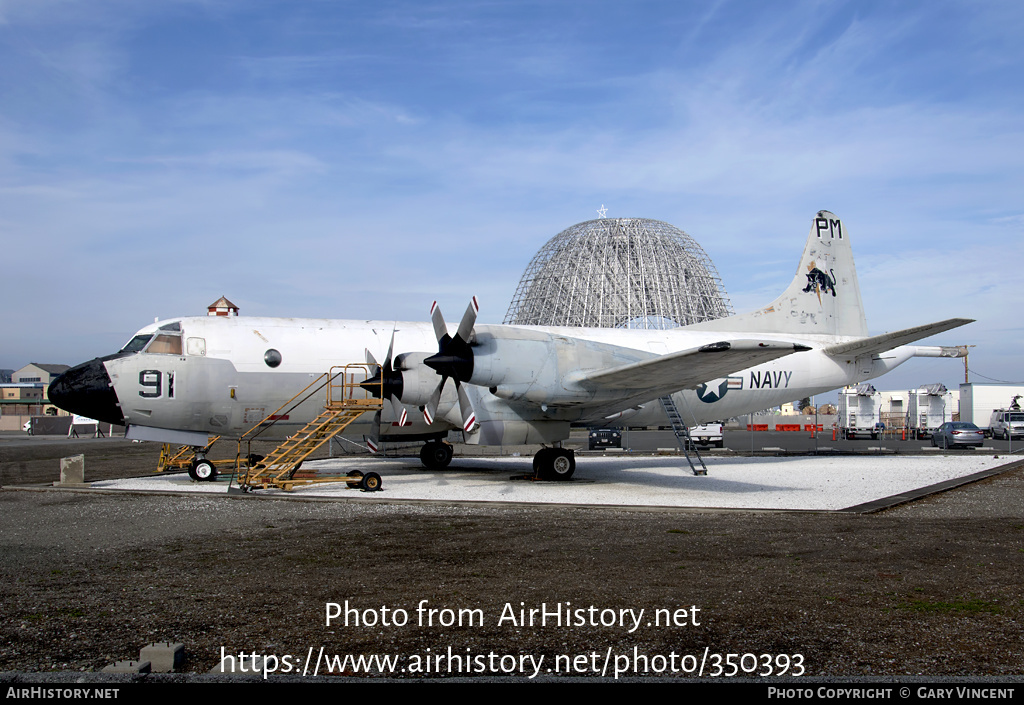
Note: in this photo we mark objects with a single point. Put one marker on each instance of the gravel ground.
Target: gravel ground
(930, 588)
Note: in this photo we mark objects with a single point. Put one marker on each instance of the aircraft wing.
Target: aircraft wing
(887, 341)
(688, 368)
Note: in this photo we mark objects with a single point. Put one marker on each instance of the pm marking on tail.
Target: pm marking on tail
(830, 227)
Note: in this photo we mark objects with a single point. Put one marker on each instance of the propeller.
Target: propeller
(392, 389)
(454, 359)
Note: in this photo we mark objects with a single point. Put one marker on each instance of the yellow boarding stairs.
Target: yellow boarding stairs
(346, 401)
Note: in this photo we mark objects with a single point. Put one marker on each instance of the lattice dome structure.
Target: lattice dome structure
(619, 273)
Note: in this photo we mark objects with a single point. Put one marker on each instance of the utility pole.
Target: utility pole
(964, 348)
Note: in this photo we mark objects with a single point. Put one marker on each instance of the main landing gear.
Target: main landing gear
(548, 463)
(554, 464)
(436, 455)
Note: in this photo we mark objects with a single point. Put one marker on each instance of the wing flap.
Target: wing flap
(688, 368)
(887, 341)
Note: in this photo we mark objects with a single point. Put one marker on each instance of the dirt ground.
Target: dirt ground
(932, 588)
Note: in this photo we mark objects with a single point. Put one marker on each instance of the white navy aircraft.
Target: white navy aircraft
(180, 380)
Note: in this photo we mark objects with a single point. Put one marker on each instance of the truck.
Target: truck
(930, 406)
(708, 434)
(859, 409)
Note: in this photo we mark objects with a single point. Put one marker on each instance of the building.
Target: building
(619, 273)
(25, 396)
(36, 372)
(222, 307)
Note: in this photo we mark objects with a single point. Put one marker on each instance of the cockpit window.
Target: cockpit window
(172, 326)
(136, 343)
(166, 345)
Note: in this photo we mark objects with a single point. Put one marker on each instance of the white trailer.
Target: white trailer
(978, 401)
(859, 411)
(930, 406)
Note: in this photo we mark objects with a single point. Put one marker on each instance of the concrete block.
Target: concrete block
(127, 667)
(72, 472)
(165, 656)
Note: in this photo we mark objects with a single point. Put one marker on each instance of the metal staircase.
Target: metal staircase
(346, 401)
(682, 432)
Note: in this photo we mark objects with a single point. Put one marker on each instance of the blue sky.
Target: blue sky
(358, 160)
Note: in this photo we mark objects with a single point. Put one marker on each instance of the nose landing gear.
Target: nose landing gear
(202, 470)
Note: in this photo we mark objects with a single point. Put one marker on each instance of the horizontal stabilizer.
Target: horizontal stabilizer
(887, 341)
(689, 368)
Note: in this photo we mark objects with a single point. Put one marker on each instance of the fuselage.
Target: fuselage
(223, 375)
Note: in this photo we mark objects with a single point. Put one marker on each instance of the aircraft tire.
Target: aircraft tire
(203, 471)
(555, 463)
(436, 455)
(371, 482)
(357, 480)
(537, 461)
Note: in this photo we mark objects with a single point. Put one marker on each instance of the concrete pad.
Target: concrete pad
(800, 483)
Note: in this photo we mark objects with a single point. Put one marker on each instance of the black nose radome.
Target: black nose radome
(85, 390)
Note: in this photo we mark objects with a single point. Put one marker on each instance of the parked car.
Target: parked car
(1006, 423)
(605, 438)
(958, 433)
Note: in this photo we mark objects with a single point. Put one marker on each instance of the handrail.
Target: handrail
(347, 399)
(276, 412)
(348, 388)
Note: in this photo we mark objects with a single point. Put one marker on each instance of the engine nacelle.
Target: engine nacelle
(529, 365)
(418, 380)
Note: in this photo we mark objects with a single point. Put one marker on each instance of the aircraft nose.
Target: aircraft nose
(86, 390)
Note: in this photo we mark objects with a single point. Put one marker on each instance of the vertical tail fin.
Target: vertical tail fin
(823, 298)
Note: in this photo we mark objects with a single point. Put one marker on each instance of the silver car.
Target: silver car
(958, 433)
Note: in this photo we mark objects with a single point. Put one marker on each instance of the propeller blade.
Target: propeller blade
(401, 413)
(391, 347)
(466, 407)
(468, 320)
(373, 440)
(430, 409)
(440, 329)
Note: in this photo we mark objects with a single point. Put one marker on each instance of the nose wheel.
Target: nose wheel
(202, 470)
(554, 464)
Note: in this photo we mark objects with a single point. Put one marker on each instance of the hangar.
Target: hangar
(619, 273)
